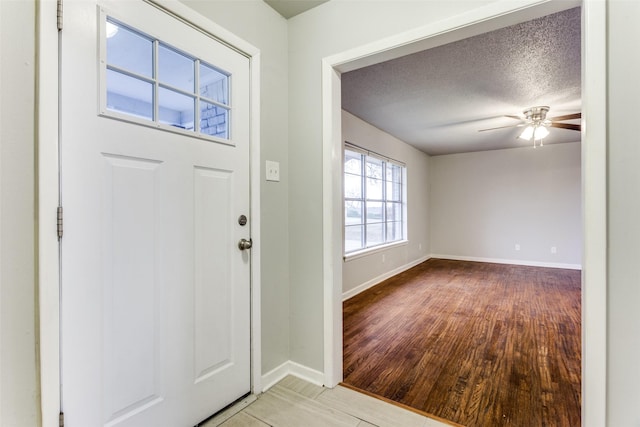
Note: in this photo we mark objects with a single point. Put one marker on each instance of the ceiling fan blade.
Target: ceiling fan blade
(566, 117)
(566, 126)
(460, 122)
(503, 127)
(513, 117)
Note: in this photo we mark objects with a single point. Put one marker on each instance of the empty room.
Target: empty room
(463, 227)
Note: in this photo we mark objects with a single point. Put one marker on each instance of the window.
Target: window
(374, 202)
(149, 81)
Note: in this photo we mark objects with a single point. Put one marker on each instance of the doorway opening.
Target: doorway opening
(593, 196)
(473, 187)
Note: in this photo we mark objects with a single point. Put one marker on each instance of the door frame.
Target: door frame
(47, 161)
(594, 173)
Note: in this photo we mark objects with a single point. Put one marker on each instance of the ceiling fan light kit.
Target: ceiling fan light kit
(537, 128)
(527, 133)
(537, 132)
(537, 125)
(540, 132)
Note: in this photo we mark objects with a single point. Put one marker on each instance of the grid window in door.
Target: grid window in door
(151, 82)
(374, 202)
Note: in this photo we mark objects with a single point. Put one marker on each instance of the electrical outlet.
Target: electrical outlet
(419, 246)
(554, 250)
(383, 257)
(517, 246)
(273, 171)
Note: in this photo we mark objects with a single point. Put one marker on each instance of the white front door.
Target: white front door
(155, 305)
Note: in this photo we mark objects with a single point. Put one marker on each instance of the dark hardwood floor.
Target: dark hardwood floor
(475, 343)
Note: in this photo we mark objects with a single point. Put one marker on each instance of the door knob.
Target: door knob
(245, 244)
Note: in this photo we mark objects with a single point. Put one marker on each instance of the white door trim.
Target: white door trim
(47, 179)
(594, 167)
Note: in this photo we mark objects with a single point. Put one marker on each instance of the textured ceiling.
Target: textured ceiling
(290, 8)
(438, 99)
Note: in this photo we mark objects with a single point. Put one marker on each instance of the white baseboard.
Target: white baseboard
(509, 261)
(370, 283)
(272, 377)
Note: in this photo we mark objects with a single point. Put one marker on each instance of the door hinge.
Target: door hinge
(60, 221)
(59, 15)
(61, 419)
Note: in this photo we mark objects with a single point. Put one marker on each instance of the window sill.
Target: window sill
(370, 251)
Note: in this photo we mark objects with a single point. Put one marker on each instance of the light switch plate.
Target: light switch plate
(273, 171)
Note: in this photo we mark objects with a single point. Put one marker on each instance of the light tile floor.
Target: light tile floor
(296, 403)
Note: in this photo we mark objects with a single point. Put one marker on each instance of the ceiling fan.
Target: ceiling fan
(537, 124)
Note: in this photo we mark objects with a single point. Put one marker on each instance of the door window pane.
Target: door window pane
(214, 120)
(126, 94)
(129, 50)
(175, 69)
(175, 109)
(214, 85)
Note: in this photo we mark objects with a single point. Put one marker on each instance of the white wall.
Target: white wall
(257, 23)
(623, 393)
(19, 399)
(371, 269)
(484, 203)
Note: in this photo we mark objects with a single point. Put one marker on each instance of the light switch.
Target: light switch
(273, 171)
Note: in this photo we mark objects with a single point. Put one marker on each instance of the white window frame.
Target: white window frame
(370, 249)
